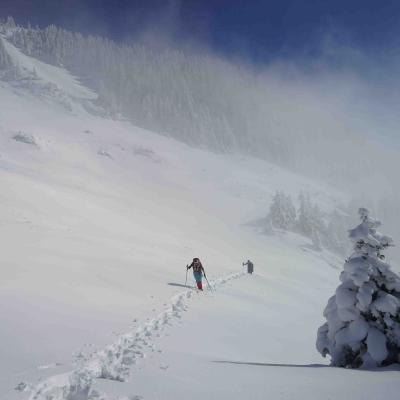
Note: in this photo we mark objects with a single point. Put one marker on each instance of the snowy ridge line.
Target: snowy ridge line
(114, 362)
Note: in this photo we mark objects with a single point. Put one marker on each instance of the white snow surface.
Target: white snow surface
(48, 73)
(224, 350)
(98, 219)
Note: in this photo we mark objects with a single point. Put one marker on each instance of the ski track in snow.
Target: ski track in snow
(115, 361)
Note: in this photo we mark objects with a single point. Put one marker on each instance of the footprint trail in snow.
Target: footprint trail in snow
(115, 361)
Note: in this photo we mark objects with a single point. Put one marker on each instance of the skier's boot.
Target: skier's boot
(199, 286)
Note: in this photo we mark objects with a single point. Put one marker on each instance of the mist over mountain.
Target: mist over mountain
(123, 163)
(312, 121)
(206, 101)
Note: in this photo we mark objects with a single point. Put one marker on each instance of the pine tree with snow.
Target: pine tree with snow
(282, 213)
(5, 60)
(316, 240)
(310, 220)
(335, 238)
(304, 215)
(363, 317)
(10, 23)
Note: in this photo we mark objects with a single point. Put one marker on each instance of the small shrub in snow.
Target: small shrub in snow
(363, 317)
(143, 151)
(104, 153)
(25, 138)
(146, 152)
(22, 387)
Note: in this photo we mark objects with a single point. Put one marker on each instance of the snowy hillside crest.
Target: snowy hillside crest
(363, 317)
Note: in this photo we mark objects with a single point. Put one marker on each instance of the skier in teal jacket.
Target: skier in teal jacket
(198, 272)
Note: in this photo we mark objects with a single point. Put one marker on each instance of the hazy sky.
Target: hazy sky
(351, 45)
(256, 29)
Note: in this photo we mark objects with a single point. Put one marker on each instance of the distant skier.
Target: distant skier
(198, 272)
(250, 266)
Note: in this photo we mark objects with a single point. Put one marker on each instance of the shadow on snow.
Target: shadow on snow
(258, 364)
(180, 285)
(390, 368)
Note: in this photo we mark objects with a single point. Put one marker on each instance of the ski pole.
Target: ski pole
(186, 275)
(208, 283)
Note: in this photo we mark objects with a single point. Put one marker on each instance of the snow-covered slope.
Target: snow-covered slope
(56, 86)
(57, 76)
(98, 219)
(251, 340)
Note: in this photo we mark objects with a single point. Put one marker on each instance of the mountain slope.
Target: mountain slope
(99, 217)
(277, 112)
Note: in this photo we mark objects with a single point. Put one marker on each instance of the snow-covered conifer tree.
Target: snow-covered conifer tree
(5, 61)
(304, 218)
(335, 237)
(316, 240)
(282, 212)
(310, 220)
(8, 71)
(363, 317)
(10, 23)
